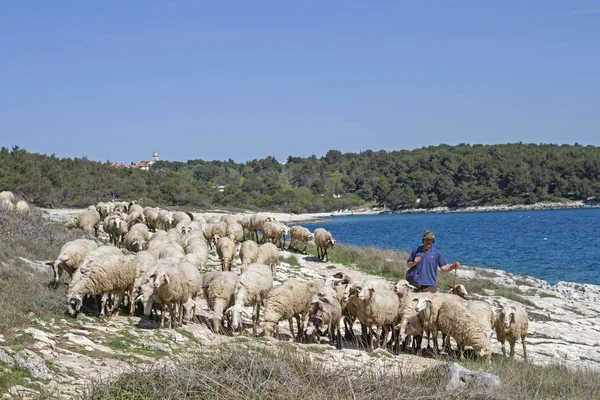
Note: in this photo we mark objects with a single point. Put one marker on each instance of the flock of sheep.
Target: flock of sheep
(164, 270)
(9, 203)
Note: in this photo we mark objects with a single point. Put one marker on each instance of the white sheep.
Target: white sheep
(181, 216)
(164, 220)
(172, 289)
(151, 215)
(236, 233)
(453, 319)
(219, 292)
(512, 324)
(87, 220)
(7, 195)
(226, 252)
(251, 289)
(109, 275)
(268, 254)
(274, 232)
(459, 290)
(289, 300)
(256, 224)
(245, 222)
(136, 239)
(379, 306)
(134, 217)
(71, 256)
(229, 219)
(134, 207)
(197, 246)
(21, 207)
(485, 315)
(300, 235)
(324, 240)
(326, 310)
(248, 252)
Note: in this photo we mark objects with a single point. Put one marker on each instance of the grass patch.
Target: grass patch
(515, 294)
(24, 289)
(236, 373)
(484, 273)
(386, 263)
(16, 375)
(522, 380)
(293, 261)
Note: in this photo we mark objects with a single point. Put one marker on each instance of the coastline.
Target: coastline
(502, 207)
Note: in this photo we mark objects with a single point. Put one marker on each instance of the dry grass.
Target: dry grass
(24, 289)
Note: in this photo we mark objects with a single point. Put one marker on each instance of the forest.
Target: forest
(452, 176)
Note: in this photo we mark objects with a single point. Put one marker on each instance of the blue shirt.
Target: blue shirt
(425, 272)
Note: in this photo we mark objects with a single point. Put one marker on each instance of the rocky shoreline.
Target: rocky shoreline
(504, 207)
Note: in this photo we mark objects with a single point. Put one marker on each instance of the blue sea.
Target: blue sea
(553, 245)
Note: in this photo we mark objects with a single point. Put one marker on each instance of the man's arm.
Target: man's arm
(450, 267)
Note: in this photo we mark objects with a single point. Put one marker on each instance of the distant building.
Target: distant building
(143, 165)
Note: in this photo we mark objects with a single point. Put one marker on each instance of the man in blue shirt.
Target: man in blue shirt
(423, 264)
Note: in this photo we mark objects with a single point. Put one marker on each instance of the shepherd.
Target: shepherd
(423, 263)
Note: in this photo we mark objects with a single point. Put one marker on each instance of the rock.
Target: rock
(34, 363)
(22, 391)
(5, 358)
(458, 377)
(41, 336)
(178, 337)
(134, 333)
(80, 340)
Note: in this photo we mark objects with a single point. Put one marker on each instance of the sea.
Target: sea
(553, 245)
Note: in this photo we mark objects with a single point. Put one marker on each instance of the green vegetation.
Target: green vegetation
(452, 176)
(293, 261)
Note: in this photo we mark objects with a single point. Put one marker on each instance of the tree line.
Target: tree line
(452, 176)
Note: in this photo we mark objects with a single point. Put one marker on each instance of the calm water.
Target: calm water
(554, 245)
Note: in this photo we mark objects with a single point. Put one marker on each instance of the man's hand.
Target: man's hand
(455, 265)
(417, 259)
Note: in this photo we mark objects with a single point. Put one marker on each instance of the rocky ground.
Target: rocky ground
(59, 356)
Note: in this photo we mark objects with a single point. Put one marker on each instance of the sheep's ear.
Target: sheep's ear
(513, 308)
(481, 353)
(166, 278)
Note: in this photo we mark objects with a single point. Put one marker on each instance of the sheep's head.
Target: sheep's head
(403, 286)
(422, 304)
(236, 313)
(331, 242)
(351, 290)
(75, 303)
(160, 278)
(269, 328)
(459, 290)
(366, 293)
(509, 315)
(311, 236)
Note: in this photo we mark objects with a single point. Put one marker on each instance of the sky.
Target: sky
(243, 80)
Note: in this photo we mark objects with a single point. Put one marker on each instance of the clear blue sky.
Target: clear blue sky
(117, 80)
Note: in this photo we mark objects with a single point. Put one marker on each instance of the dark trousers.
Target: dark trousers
(428, 289)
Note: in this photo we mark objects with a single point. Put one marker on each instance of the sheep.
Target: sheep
(7, 195)
(121, 207)
(109, 275)
(485, 315)
(135, 217)
(151, 215)
(236, 233)
(86, 221)
(199, 218)
(181, 216)
(225, 251)
(21, 207)
(248, 252)
(118, 229)
(173, 287)
(246, 225)
(219, 292)
(219, 229)
(6, 205)
(326, 309)
(192, 234)
(134, 207)
(197, 246)
(71, 256)
(459, 290)
(268, 254)
(300, 234)
(379, 305)
(164, 220)
(105, 209)
(324, 240)
(512, 323)
(256, 224)
(274, 232)
(95, 254)
(208, 235)
(137, 238)
(454, 320)
(229, 219)
(289, 300)
(250, 290)
(171, 250)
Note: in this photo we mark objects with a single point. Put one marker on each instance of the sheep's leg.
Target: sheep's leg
(131, 301)
(325, 257)
(524, 347)
(217, 315)
(503, 348)
(118, 299)
(256, 318)
(291, 322)
(512, 348)
(461, 348)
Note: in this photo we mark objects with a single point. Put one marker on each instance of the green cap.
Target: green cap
(428, 235)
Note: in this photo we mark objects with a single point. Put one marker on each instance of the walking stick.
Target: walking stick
(454, 282)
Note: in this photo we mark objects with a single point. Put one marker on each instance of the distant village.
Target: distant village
(143, 165)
